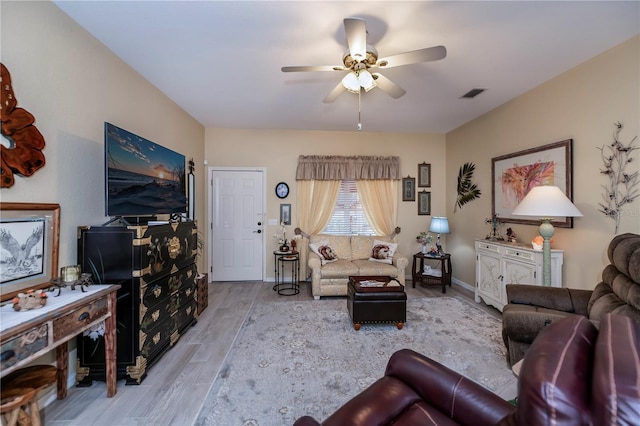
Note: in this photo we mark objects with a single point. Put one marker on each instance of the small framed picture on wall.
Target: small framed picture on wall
(285, 214)
(424, 203)
(424, 175)
(408, 189)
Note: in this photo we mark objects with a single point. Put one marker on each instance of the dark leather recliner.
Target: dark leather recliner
(531, 308)
(573, 374)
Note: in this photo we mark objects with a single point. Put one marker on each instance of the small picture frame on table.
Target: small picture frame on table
(424, 203)
(424, 175)
(31, 234)
(408, 189)
(285, 214)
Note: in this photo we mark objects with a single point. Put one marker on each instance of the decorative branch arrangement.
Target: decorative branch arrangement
(622, 187)
(467, 191)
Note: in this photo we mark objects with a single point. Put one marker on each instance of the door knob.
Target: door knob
(259, 231)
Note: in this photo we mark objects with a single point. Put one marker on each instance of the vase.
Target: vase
(284, 247)
(425, 250)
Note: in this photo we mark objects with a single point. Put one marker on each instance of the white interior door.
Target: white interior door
(237, 224)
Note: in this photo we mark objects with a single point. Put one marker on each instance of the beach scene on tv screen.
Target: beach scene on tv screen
(143, 178)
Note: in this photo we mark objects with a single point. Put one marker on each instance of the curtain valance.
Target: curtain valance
(335, 167)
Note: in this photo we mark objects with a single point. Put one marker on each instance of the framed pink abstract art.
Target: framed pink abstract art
(513, 176)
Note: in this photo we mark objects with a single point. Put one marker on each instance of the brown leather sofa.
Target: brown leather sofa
(531, 308)
(573, 374)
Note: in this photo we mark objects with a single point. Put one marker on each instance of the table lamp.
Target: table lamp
(439, 225)
(546, 201)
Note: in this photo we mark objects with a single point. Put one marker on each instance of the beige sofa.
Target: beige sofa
(353, 254)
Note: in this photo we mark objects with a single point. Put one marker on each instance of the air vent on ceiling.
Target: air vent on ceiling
(472, 93)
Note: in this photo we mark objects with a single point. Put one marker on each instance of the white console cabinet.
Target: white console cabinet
(501, 263)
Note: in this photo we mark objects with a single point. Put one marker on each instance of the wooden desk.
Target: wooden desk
(25, 336)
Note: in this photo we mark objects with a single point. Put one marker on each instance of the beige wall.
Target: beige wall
(581, 104)
(72, 84)
(278, 150)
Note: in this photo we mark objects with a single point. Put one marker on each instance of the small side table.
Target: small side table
(417, 270)
(283, 286)
(277, 254)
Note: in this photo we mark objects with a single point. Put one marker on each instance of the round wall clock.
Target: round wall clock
(282, 190)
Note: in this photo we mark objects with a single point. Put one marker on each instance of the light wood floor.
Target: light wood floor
(178, 383)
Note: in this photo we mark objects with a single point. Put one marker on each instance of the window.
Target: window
(348, 216)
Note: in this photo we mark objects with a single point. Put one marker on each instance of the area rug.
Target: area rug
(304, 358)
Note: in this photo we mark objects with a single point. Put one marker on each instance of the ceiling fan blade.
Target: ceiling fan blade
(314, 68)
(415, 56)
(388, 86)
(333, 95)
(356, 30)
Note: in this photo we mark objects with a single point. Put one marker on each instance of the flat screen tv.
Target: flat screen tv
(142, 178)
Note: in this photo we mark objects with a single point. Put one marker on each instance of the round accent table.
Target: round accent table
(287, 261)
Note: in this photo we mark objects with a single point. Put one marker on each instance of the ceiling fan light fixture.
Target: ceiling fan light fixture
(351, 82)
(366, 80)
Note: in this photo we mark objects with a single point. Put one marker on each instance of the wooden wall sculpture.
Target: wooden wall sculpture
(24, 154)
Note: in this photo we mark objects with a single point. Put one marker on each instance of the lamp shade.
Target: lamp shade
(366, 80)
(351, 82)
(546, 201)
(439, 225)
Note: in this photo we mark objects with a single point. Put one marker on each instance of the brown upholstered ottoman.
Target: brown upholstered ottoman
(376, 299)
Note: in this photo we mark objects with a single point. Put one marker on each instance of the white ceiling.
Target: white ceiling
(220, 60)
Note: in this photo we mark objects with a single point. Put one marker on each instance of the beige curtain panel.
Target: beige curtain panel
(316, 200)
(335, 167)
(380, 203)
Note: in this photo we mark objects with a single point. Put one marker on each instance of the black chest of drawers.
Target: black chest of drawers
(155, 267)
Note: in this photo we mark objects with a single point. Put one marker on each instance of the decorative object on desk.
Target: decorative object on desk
(495, 224)
(546, 201)
(424, 238)
(439, 225)
(31, 299)
(511, 236)
(282, 237)
(536, 243)
(285, 214)
(70, 273)
(514, 175)
(424, 203)
(467, 191)
(23, 156)
(29, 237)
(408, 189)
(84, 280)
(294, 242)
(622, 187)
(424, 175)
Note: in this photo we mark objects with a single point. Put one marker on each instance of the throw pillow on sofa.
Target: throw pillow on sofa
(324, 250)
(383, 251)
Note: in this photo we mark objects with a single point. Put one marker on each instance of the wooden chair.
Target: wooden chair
(19, 394)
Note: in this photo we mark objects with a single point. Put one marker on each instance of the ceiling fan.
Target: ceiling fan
(361, 57)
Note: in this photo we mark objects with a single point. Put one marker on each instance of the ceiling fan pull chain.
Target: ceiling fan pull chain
(359, 121)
